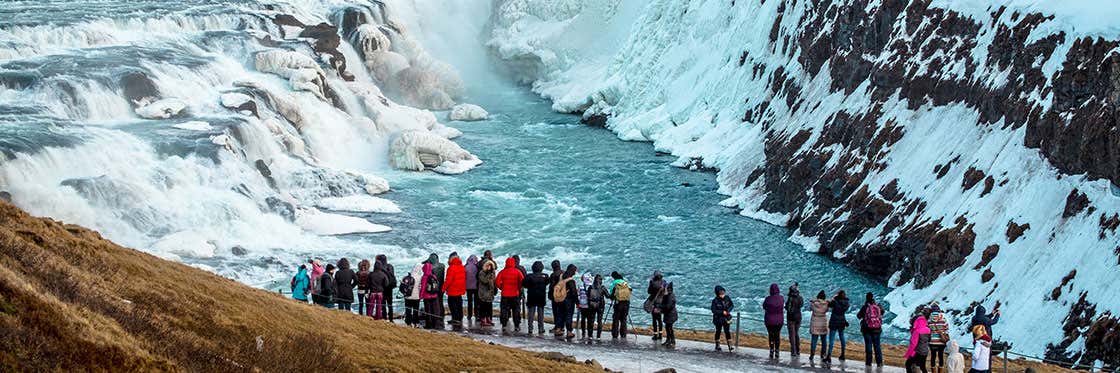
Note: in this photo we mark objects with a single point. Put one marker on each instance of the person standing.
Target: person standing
(837, 322)
(301, 284)
(378, 281)
(536, 284)
(721, 316)
(325, 297)
(410, 290)
(438, 270)
(316, 271)
(472, 287)
(918, 348)
(656, 283)
(620, 293)
(509, 282)
(794, 304)
(818, 324)
(363, 286)
(586, 313)
(983, 318)
(938, 337)
(557, 305)
(387, 296)
(871, 326)
(597, 302)
(981, 350)
(955, 363)
(429, 294)
(668, 309)
(774, 313)
(486, 292)
(344, 281)
(570, 296)
(455, 286)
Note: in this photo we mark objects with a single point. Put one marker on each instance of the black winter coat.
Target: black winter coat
(344, 282)
(326, 289)
(379, 281)
(718, 307)
(839, 308)
(794, 305)
(536, 285)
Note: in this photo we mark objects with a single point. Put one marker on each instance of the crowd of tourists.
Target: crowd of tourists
(578, 303)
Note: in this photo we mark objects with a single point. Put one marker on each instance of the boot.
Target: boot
(842, 356)
(729, 347)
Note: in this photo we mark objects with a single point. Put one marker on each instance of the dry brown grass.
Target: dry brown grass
(71, 300)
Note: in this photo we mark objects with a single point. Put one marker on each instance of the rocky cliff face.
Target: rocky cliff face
(963, 153)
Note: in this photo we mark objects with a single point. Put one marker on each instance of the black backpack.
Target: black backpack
(595, 298)
(432, 287)
(407, 283)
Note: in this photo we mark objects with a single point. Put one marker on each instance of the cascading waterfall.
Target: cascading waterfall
(203, 131)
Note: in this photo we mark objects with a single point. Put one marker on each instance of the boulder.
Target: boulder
(468, 113)
(161, 109)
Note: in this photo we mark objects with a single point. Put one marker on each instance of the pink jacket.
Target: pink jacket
(316, 271)
(920, 327)
(424, 282)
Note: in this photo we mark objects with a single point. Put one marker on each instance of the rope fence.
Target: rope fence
(608, 314)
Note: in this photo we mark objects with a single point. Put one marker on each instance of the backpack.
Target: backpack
(622, 292)
(407, 283)
(595, 298)
(318, 284)
(583, 298)
(432, 287)
(294, 282)
(560, 290)
(874, 317)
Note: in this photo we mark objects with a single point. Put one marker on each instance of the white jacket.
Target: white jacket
(955, 361)
(417, 274)
(982, 355)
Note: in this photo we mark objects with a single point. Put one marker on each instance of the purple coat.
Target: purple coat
(774, 305)
(472, 273)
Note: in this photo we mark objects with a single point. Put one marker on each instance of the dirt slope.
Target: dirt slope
(71, 299)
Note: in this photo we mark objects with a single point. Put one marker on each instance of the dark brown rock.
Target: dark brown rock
(1076, 202)
(1109, 224)
(287, 20)
(1014, 231)
(137, 87)
(971, 177)
(986, 257)
(987, 276)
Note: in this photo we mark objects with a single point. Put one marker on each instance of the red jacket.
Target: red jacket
(455, 280)
(509, 279)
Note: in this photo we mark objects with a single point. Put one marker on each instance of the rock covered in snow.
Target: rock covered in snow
(419, 150)
(161, 109)
(468, 113)
(240, 102)
(301, 70)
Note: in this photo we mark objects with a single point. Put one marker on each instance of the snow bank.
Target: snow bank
(418, 150)
(359, 204)
(327, 224)
(186, 244)
(468, 113)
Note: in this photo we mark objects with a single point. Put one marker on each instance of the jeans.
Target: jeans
(557, 314)
(599, 322)
(411, 312)
(618, 319)
(587, 322)
(726, 329)
(872, 341)
(813, 344)
(387, 307)
(362, 302)
(774, 335)
(936, 355)
(455, 306)
(439, 310)
(345, 306)
(832, 337)
(472, 298)
(431, 309)
(794, 328)
(538, 312)
(376, 306)
(658, 322)
(510, 308)
(670, 336)
(918, 362)
(485, 310)
(569, 313)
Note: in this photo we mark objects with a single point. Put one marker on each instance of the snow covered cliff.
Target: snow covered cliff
(963, 151)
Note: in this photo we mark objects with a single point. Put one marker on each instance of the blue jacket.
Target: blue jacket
(300, 285)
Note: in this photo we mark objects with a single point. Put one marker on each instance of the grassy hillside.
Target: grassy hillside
(69, 299)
